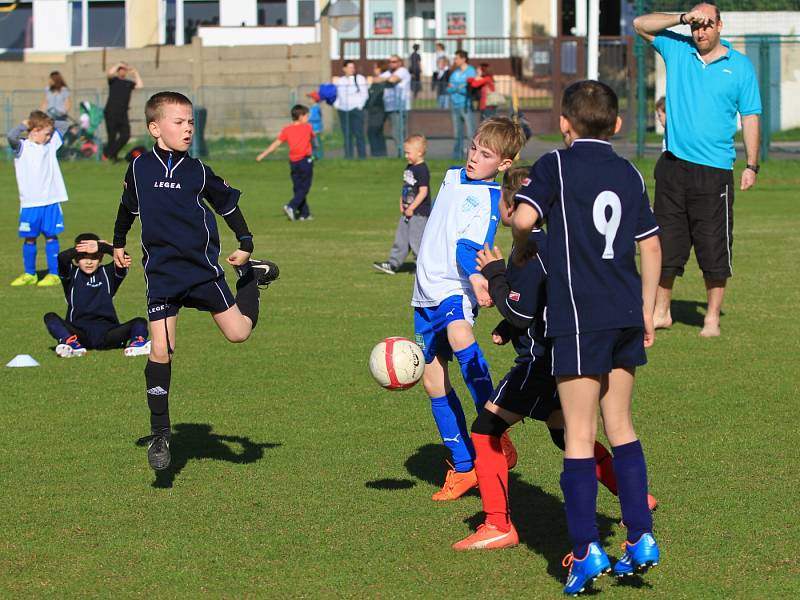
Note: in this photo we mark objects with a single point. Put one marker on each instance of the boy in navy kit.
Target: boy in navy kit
(298, 136)
(599, 316)
(448, 290)
(41, 192)
(528, 389)
(168, 190)
(89, 287)
(415, 205)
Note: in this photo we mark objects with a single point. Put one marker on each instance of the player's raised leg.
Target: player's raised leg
(158, 374)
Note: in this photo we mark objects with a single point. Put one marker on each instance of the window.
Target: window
(305, 13)
(195, 14)
(16, 27)
(106, 23)
(76, 22)
(272, 13)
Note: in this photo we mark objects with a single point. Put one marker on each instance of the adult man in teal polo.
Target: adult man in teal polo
(708, 83)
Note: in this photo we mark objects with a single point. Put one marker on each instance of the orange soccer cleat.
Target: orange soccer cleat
(508, 450)
(456, 485)
(488, 537)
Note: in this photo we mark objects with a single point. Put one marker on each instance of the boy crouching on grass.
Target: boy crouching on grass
(172, 194)
(89, 287)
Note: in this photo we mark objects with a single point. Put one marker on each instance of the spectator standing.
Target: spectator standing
(57, 101)
(415, 69)
(439, 81)
(351, 96)
(485, 83)
(708, 83)
(397, 99)
(118, 127)
(376, 114)
(460, 109)
(315, 119)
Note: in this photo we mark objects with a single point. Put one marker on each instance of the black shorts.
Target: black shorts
(212, 296)
(598, 352)
(529, 391)
(694, 207)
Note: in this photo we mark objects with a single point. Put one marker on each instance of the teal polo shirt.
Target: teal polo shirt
(703, 99)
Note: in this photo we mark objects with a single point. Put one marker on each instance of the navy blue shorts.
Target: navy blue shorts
(528, 391)
(212, 296)
(430, 325)
(598, 352)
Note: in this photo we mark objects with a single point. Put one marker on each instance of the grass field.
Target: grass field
(294, 475)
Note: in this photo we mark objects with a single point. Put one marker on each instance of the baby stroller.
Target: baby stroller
(80, 139)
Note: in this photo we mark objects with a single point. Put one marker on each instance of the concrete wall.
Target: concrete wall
(247, 90)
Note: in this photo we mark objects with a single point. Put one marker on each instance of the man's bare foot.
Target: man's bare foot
(710, 329)
(662, 321)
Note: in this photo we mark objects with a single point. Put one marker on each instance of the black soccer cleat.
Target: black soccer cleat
(265, 271)
(158, 451)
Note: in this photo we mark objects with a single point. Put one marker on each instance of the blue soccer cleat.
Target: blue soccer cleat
(582, 571)
(637, 557)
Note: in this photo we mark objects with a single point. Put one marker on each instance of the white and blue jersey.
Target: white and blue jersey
(464, 217)
(174, 194)
(596, 206)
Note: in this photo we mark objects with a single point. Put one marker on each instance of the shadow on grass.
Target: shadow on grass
(195, 441)
(689, 312)
(390, 484)
(537, 515)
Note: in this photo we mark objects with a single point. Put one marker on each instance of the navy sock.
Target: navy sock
(631, 471)
(52, 248)
(449, 417)
(139, 328)
(247, 294)
(476, 375)
(579, 484)
(29, 257)
(157, 378)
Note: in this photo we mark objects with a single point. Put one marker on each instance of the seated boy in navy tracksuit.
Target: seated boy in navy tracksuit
(173, 194)
(89, 287)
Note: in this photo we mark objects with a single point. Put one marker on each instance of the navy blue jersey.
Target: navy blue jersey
(171, 194)
(90, 297)
(596, 206)
(520, 296)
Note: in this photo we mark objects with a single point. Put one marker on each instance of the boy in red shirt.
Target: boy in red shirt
(298, 135)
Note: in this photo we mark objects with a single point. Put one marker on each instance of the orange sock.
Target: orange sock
(492, 471)
(605, 468)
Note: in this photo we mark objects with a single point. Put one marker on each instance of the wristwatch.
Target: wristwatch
(753, 168)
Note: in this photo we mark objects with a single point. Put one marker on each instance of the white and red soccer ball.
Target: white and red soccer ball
(396, 363)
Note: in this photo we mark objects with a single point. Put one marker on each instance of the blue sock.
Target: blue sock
(631, 470)
(52, 248)
(476, 374)
(29, 257)
(449, 417)
(579, 484)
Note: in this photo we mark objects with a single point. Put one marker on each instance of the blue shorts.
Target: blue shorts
(598, 352)
(528, 390)
(41, 220)
(430, 325)
(212, 296)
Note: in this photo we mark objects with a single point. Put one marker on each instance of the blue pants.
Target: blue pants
(352, 122)
(302, 171)
(463, 126)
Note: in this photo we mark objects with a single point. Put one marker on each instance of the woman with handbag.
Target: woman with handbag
(489, 97)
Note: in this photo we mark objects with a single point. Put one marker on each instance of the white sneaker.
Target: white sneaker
(137, 350)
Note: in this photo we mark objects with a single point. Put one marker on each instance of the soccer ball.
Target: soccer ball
(396, 363)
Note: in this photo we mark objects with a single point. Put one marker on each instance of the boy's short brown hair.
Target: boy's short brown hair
(154, 109)
(298, 110)
(512, 181)
(39, 119)
(592, 108)
(661, 104)
(501, 135)
(418, 140)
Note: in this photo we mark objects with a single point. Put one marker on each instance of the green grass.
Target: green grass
(297, 476)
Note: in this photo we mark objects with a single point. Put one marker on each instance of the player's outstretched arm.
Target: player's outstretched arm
(650, 260)
(270, 149)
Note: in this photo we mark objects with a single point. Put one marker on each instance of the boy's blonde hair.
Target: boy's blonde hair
(512, 181)
(418, 140)
(501, 135)
(154, 109)
(39, 120)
